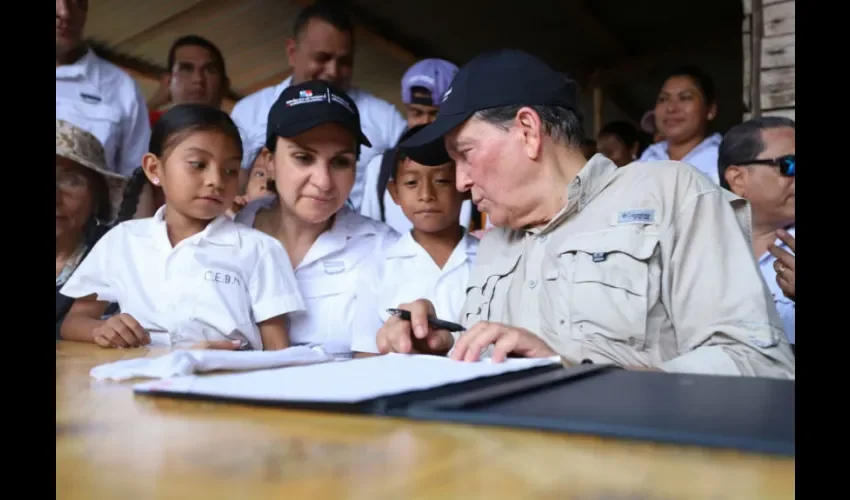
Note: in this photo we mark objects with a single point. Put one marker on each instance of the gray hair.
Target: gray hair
(561, 124)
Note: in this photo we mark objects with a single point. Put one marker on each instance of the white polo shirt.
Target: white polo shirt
(393, 215)
(703, 157)
(381, 122)
(406, 272)
(784, 306)
(97, 96)
(215, 285)
(330, 275)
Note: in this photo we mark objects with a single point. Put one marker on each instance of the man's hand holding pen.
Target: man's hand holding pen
(416, 336)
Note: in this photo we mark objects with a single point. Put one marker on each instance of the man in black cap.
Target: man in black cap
(645, 267)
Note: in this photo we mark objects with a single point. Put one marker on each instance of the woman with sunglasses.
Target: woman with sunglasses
(757, 161)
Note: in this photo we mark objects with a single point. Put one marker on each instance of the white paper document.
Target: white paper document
(186, 362)
(342, 381)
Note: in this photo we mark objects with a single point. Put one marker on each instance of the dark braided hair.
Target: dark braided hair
(132, 192)
(101, 204)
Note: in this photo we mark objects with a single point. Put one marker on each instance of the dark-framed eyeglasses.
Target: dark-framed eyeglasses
(787, 164)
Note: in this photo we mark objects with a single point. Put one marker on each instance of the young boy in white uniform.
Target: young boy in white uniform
(422, 89)
(432, 260)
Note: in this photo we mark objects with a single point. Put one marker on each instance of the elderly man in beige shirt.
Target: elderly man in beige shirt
(645, 266)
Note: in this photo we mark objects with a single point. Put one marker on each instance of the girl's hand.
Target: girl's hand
(121, 330)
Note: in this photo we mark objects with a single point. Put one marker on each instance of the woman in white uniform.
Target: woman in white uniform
(683, 112)
(314, 136)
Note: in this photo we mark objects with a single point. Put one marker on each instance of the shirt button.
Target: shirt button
(532, 283)
(542, 238)
(632, 341)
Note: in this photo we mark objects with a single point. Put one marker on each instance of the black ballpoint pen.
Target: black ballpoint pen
(436, 323)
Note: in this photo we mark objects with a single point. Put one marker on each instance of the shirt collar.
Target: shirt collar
(407, 247)
(347, 224)
(283, 86)
(71, 264)
(743, 212)
(220, 231)
(595, 176)
(659, 150)
(86, 67)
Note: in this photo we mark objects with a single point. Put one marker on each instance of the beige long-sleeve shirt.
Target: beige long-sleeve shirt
(648, 265)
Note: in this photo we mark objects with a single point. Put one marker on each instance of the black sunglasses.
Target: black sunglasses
(787, 164)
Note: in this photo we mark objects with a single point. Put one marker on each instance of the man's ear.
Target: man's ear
(291, 49)
(530, 127)
(392, 188)
(736, 178)
(153, 168)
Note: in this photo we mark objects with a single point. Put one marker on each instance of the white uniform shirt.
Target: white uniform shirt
(329, 276)
(380, 121)
(215, 285)
(703, 157)
(784, 306)
(97, 96)
(406, 272)
(393, 215)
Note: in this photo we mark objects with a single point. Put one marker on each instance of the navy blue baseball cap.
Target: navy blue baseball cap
(310, 104)
(491, 80)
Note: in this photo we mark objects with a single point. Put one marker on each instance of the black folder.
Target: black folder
(743, 413)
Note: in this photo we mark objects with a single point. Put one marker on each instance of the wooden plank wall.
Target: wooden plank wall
(776, 66)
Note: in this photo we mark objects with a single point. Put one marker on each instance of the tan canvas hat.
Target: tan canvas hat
(83, 148)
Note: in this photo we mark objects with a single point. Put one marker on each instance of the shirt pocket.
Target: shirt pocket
(102, 120)
(486, 293)
(330, 311)
(608, 294)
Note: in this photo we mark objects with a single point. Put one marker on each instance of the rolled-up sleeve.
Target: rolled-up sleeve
(721, 308)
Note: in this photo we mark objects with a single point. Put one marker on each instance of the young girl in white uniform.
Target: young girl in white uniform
(433, 260)
(188, 270)
(314, 136)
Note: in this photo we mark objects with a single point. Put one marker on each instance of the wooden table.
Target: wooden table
(112, 444)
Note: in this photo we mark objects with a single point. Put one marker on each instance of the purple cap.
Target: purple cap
(436, 75)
